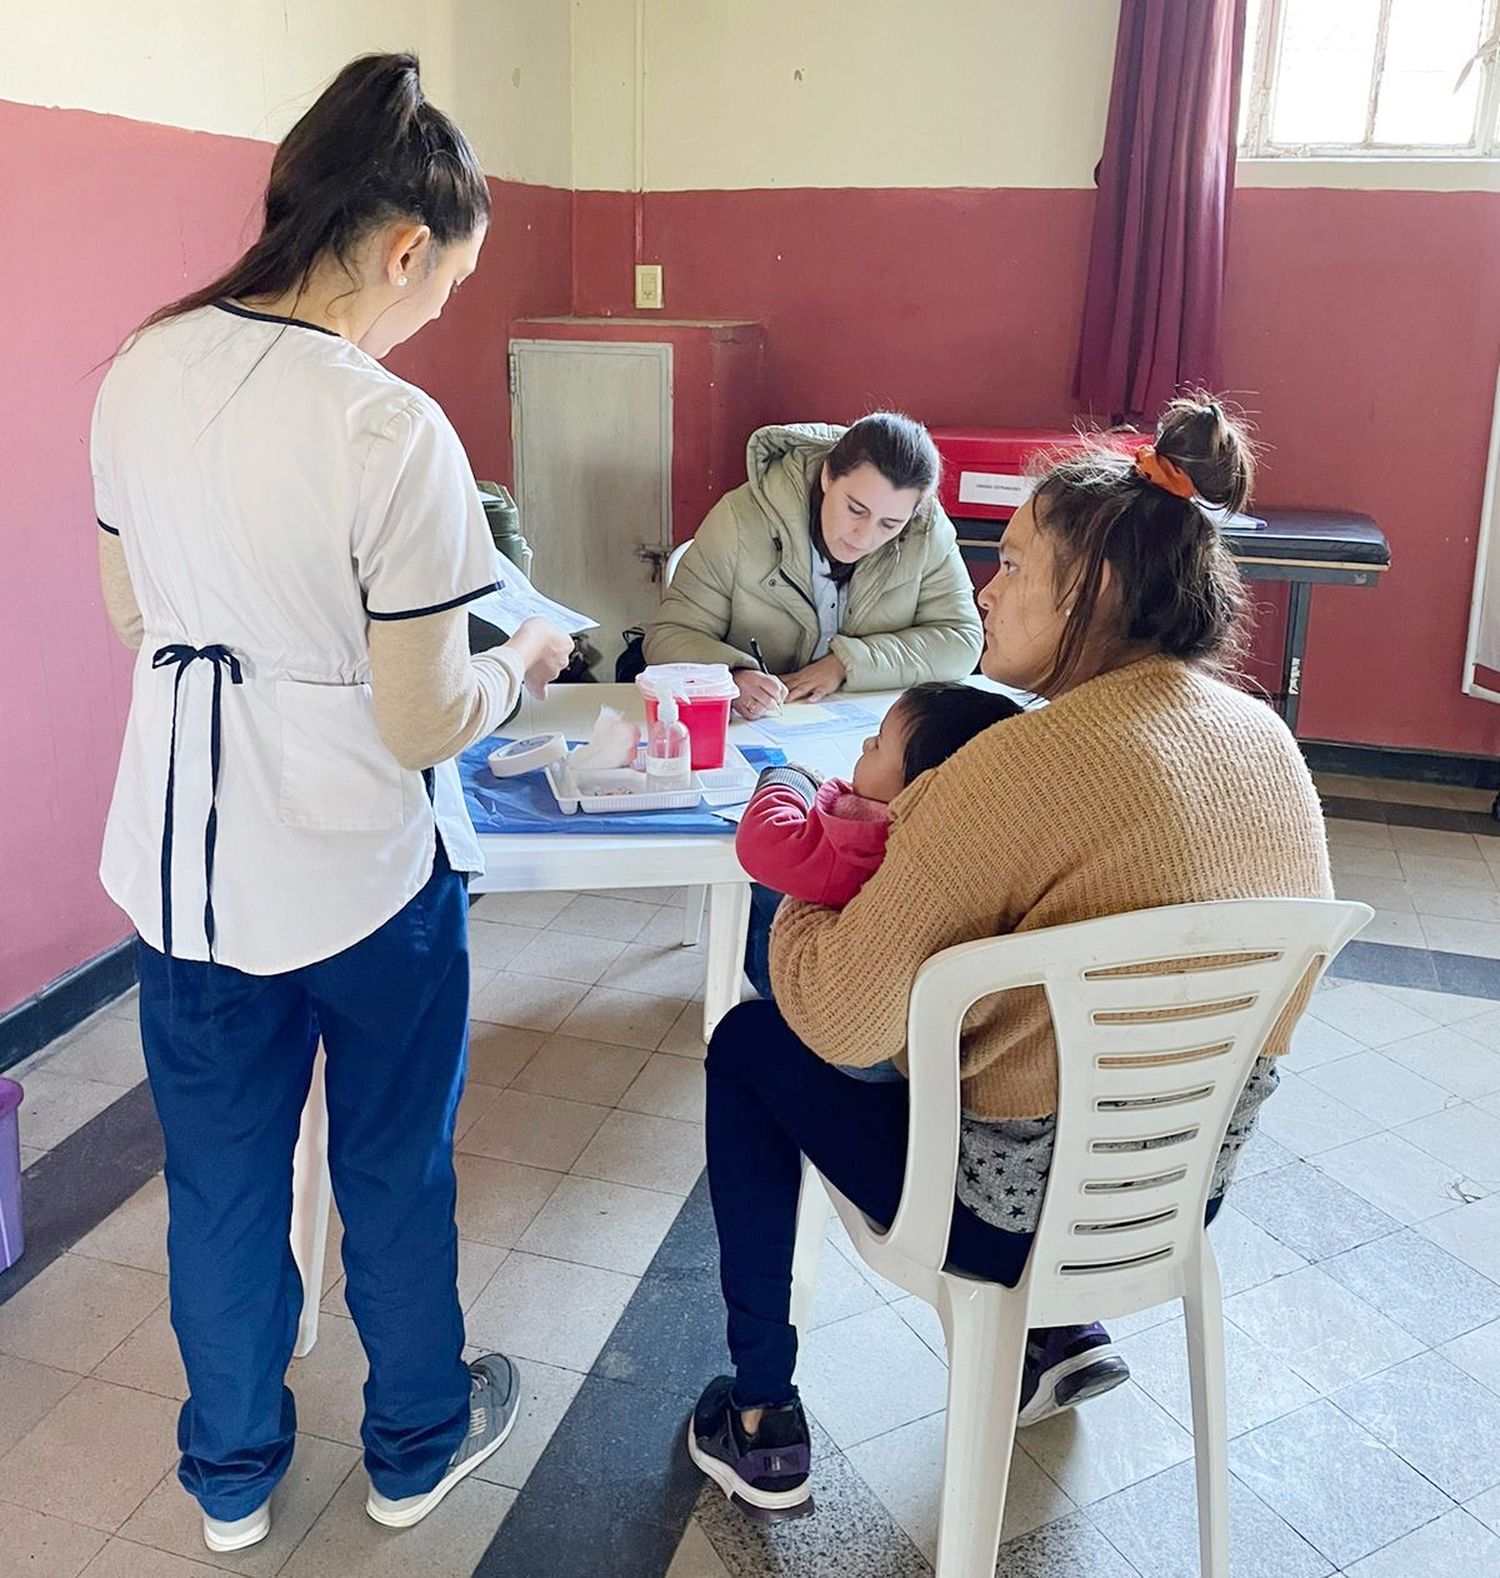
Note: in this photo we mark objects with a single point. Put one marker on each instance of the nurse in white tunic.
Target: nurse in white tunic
(289, 534)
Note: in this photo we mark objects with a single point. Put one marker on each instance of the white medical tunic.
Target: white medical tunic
(275, 489)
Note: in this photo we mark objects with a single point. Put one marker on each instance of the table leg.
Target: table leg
(312, 1195)
(728, 924)
(1298, 605)
(692, 917)
(312, 1188)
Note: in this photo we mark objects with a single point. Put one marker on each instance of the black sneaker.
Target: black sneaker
(1065, 1366)
(764, 1475)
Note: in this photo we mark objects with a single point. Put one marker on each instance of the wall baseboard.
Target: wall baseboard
(70, 999)
(1388, 761)
(67, 1002)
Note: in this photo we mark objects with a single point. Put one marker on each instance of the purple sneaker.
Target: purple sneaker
(764, 1475)
(1065, 1366)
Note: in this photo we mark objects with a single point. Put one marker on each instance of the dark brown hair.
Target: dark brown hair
(900, 449)
(941, 716)
(1178, 589)
(371, 150)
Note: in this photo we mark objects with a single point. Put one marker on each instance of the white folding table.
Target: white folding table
(551, 862)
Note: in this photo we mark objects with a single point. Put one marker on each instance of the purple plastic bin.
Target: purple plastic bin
(12, 1242)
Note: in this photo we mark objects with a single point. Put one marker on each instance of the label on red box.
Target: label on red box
(998, 489)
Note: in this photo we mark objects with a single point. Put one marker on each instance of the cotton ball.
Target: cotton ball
(611, 743)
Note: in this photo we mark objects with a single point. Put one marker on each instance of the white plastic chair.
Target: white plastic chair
(673, 560)
(692, 918)
(1150, 1068)
(312, 1198)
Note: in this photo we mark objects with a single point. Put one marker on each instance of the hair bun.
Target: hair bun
(1198, 434)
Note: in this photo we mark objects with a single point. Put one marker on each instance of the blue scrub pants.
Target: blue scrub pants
(230, 1058)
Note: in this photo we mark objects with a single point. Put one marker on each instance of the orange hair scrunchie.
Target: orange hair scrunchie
(1163, 473)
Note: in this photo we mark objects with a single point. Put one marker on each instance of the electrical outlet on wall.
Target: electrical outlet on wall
(648, 285)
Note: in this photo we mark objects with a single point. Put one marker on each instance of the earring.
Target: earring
(401, 279)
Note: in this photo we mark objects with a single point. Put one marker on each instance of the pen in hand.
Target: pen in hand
(760, 663)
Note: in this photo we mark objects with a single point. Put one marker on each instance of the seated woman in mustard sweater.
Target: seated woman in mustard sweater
(1147, 781)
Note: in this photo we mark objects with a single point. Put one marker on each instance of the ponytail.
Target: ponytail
(1179, 590)
(370, 151)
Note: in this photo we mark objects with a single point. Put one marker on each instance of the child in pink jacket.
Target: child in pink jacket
(822, 841)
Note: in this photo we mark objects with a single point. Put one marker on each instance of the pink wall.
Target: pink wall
(103, 199)
(1363, 330)
(127, 216)
(524, 271)
(961, 306)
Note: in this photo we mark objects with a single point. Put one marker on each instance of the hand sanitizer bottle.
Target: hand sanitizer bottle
(668, 750)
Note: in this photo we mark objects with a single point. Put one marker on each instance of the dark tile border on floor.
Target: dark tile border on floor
(1386, 964)
(1397, 813)
(70, 1190)
(67, 1002)
(1467, 975)
(623, 1437)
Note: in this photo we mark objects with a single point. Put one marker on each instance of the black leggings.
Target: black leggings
(770, 1102)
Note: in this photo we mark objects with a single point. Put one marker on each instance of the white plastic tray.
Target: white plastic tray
(615, 792)
(730, 784)
(622, 790)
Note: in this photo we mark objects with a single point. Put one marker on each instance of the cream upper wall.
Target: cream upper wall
(735, 93)
(765, 93)
(248, 68)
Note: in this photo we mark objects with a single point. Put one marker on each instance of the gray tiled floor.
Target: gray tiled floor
(1429, 889)
(1360, 1257)
(1363, 1233)
(575, 1152)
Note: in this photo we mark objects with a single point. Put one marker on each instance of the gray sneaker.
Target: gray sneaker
(494, 1403)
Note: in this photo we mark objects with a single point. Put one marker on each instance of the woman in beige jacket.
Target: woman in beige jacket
(835, 561)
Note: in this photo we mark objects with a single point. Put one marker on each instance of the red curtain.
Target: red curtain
(1153, 305)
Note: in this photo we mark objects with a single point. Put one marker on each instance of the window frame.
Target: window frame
(1260, 85)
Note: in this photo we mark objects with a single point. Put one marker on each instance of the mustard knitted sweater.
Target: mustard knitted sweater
(1153, 784)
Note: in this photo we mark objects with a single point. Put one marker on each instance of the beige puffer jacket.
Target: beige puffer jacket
(910, 614)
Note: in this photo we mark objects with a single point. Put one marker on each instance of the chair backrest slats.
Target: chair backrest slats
(1159, 1017)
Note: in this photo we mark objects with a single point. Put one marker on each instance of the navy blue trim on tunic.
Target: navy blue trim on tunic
(182, 654)
(438, 608)
(271, 317)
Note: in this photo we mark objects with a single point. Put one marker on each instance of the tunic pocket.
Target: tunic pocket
(336, 773)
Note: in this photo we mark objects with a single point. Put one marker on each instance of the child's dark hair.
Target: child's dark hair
(1178, 588)
(370, 150)
(943, 715)
(900, 449)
